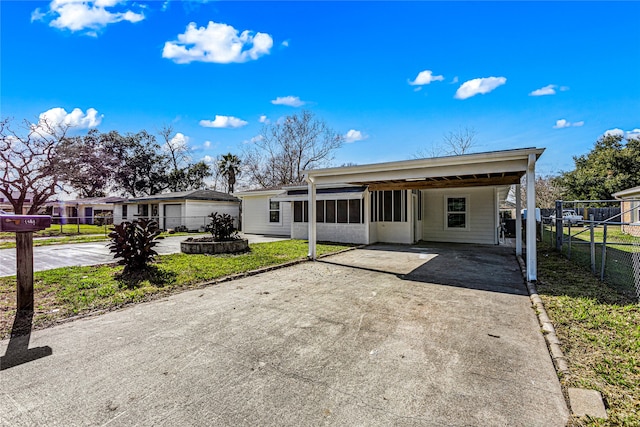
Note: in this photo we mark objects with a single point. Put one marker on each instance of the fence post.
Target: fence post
(592, 244)
(559, 231)
(569, 247)
(604, 251)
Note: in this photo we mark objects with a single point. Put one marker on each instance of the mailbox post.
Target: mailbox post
(24, 226)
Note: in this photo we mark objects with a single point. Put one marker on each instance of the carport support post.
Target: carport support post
(24, 270)
(312, 218)
(532, 270)
(518, 221)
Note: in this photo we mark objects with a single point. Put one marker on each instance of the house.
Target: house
(630, 208)
(92, 210)
(5, 204)
(443, 199)
(183, 209)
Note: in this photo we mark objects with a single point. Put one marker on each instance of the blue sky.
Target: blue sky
(392, 76)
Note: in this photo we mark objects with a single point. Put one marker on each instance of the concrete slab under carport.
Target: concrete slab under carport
(368, 337)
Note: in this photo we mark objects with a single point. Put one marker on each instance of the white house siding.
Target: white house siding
(339, 233)
(394, 232)
(255, 217)
(481, 216)
(197, 211)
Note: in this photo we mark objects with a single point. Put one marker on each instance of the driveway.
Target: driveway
(76, 254)
(389, 335)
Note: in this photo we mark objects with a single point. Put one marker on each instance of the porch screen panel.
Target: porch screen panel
(330, 213)
(343, 215)
(355, 216)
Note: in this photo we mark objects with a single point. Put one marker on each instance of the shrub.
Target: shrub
(134, 242)
(221, 227)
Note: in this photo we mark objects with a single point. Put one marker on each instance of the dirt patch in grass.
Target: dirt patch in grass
(599, 329)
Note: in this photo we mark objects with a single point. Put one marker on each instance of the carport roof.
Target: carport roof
(495, 168)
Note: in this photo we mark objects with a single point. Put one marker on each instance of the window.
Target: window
(301, 211)
(635, 211)
(125, 212)
(330, 211)
(456, 212)
(143, 210)
(355, 216)
(330, 216)
(319, 210)
(274, 211)
(391, 206)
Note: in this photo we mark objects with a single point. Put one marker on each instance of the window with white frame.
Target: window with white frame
(457, 214)
(635, 211)
(274, 211)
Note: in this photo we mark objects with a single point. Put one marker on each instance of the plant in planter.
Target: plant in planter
(221, 227)
(224, 238)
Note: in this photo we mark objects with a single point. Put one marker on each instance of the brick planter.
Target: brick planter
(208, 246)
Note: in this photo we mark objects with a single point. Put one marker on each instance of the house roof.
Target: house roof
(633, 192)
(495, 168)
(90, 201)
(211, 195)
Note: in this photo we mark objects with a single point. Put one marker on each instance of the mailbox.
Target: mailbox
(21, 223)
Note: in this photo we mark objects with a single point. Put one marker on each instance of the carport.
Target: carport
(489, 169)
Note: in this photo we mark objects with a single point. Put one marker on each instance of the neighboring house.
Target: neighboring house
(263, 212)
(630, 208)
(6, 206)
(444, 199)
(183, 209)
(92, 210)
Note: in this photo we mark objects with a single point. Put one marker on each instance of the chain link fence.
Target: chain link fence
(608, 247)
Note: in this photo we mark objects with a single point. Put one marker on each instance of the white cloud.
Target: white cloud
(564, 88)
(455, 80)
(479, 86)
(354, 135)
(93, 15)
(223, 122)
(291, 101)
(285, 43)
(77, 119)
(219, 43)
(614, 132)
(264, 119)
(635, 133)
(206, 144)
(179, 141)
(563, 123)
(208, 159)
(547, 90)
(425, 77)
(253, 140)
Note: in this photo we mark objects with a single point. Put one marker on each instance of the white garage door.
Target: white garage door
(172, 216)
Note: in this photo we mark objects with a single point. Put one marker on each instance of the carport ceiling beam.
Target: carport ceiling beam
(421, 185)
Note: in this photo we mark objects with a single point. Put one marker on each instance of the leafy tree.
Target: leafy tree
(288, 147)
(229, 167)
(142, 167)
(27, 159)
(86, 164)
(613, 165)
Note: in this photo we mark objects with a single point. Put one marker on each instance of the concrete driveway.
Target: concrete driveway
(389, 335)
(77, 254)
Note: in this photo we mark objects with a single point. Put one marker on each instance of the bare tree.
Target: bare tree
(458, 142)
(288, 147)
(27, 162)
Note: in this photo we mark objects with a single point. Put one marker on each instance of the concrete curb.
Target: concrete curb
(549, 332)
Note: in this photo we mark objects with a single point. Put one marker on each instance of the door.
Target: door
(88, 215)
(172, 216)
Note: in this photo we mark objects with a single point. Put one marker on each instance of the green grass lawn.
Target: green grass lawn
(599, 328)
(66, 292)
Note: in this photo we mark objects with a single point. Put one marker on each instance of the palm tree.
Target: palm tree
(229, 166)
